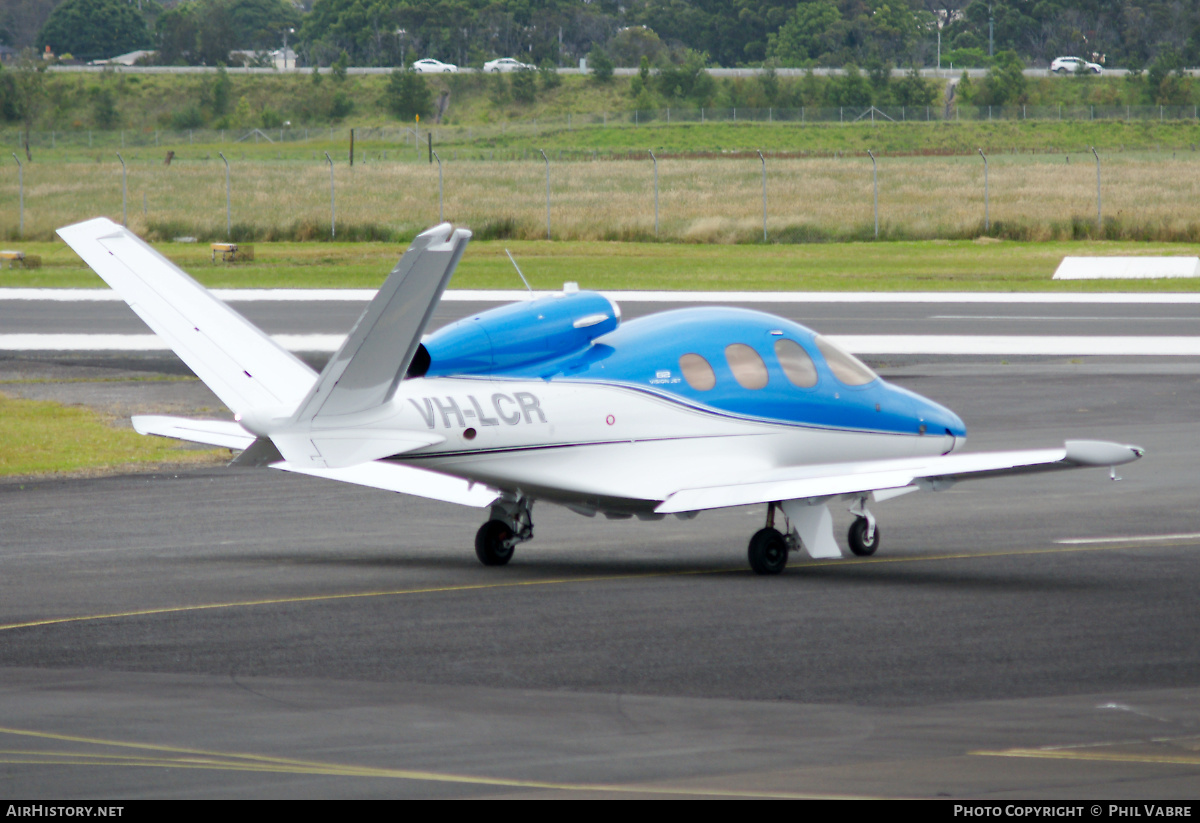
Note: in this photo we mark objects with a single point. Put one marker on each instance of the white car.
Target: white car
(506, 64)
(431, 66)
(1071, 65)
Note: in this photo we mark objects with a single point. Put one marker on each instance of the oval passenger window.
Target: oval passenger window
(696, 371)
(748, 368)
(796, 363)
(845, 366)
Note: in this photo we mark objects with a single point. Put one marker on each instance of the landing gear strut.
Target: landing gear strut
(511, 523)
(864, 534)
(768, 551)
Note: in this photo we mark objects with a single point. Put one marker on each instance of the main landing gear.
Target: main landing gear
(769, 547)
(511, 523)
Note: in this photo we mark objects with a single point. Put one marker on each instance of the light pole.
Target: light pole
(547, 159)
(21, 200)
(655, 191)
(764, 173)
(435, 154)
(1098, 213)
(401, 34)
(332, 211)
(986, 222)
(875, 178)
(228, 210)
(123, 189)
(286, 32)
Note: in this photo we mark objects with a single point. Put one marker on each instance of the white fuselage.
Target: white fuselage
(608, 446)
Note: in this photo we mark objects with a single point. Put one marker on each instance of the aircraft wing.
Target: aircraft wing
(932, 473)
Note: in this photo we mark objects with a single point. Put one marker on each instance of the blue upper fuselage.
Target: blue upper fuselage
(735, 362)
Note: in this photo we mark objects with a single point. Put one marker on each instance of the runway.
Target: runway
(242, 633)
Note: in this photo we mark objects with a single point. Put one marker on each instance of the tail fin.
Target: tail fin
(370, 364)
(234, 358)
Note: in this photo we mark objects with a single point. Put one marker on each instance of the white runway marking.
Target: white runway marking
(509, 296)
(867, 344)
(1149, 538)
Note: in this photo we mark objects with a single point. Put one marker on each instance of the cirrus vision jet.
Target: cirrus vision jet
(556, 399)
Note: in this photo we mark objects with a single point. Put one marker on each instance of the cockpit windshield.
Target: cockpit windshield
(845, 367)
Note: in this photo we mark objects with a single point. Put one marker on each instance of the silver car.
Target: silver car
(506, 64)
(431, 66)
(1071, 65)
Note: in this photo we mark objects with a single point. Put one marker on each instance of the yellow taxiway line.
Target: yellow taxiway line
(1130, 543)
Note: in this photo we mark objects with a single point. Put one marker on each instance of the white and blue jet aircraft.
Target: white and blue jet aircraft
(556, 399)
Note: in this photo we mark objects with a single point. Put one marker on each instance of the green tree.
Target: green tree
(524, 86)
(408, 95)
(549, 75)
(851, 89)
(105, 113)
(686, 78)
(222, 91)
(29, 92)
(812, 31)
(913, 90)
(338, 69)
(1005, 81)
(601, 65)
(94, 29)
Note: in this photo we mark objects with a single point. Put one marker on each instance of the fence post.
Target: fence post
(764, 175)
(123, 190)
(228, 212)
(655, 192)
(986, 221)
(1098, 212)
(332, 203)
(547, 159)
(21, 189)
(435, 154)
(875, 178)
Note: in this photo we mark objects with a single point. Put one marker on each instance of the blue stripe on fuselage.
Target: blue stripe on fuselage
(645, 354)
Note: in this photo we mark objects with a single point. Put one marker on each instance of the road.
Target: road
(239, 633)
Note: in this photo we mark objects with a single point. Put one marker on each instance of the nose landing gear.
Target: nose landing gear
(864, 534)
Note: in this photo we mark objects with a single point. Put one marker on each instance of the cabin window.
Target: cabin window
(747, 366)
(845, 367)
(696, 371)
(796, 363)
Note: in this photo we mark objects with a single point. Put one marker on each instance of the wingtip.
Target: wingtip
(1101, 453)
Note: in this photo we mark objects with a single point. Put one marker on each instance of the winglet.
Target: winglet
(365, 371)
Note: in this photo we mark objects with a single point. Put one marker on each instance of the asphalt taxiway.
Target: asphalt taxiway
(243, 633)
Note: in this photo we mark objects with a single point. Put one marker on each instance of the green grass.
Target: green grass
(895, 266)
(44, 438)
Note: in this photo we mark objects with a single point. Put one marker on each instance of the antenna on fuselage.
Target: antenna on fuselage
(519, 272)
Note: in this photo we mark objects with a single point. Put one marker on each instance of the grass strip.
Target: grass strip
(933, 265)
(44, 438)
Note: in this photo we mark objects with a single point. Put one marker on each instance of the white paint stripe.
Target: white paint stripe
(859, 344)
(1018, 345)
(509, 296)
(1079, 541)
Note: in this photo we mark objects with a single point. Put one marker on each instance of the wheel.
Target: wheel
(490, 545)
(768, 552)
(858, 538)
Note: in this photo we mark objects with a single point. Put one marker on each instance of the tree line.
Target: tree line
(1130, 33)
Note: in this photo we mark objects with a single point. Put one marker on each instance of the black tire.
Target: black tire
(489, 543)
(858, 538)
(768, 552)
